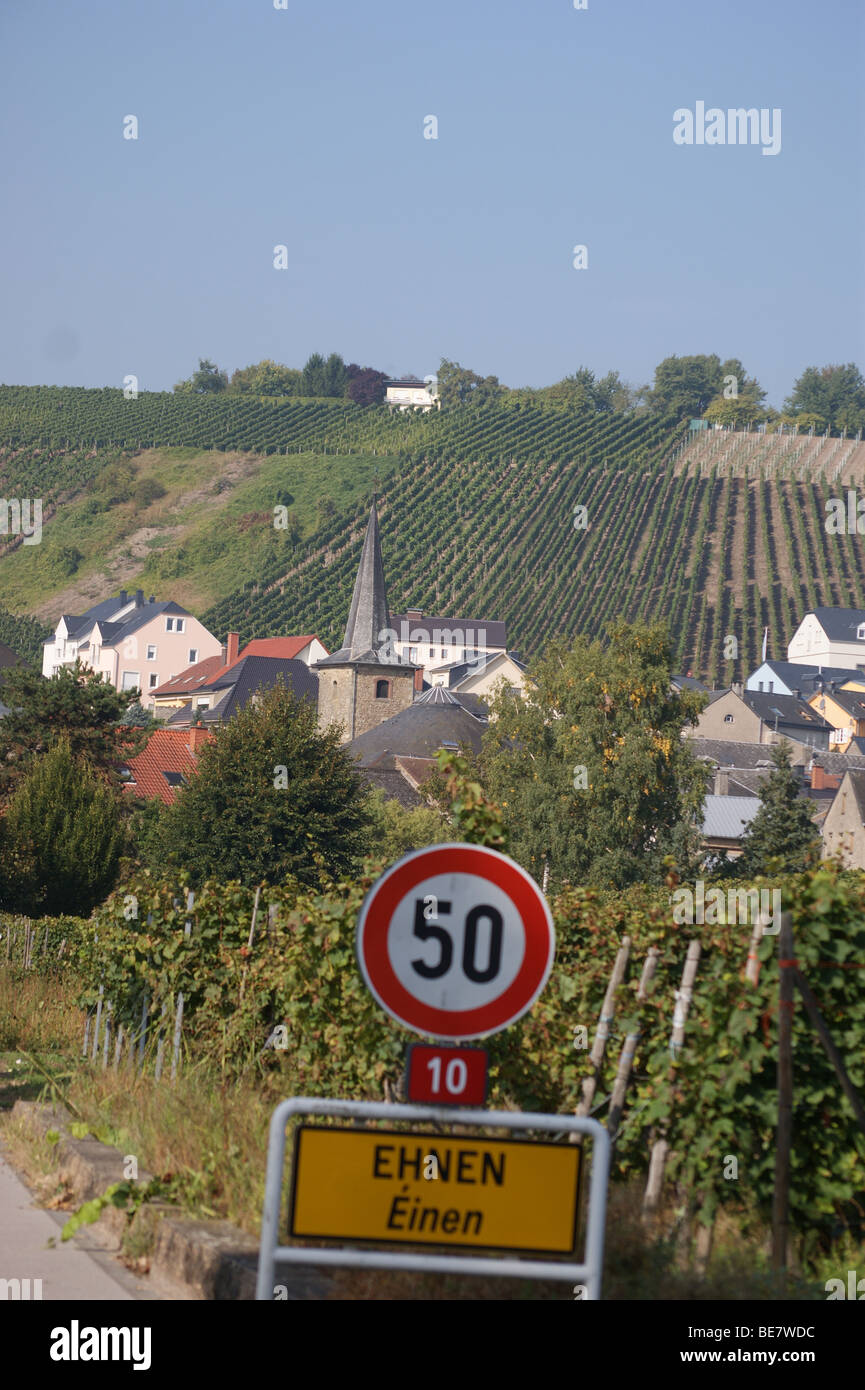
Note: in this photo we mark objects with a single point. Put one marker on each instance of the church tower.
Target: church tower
(366, 681)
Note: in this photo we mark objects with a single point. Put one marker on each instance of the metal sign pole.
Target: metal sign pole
(271, 1252)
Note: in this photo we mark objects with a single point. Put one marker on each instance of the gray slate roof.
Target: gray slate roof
(727, 817)
(420, 730)
(494, 633)
(787, 709)
(840, 624)
(809, 678)
(240, 683)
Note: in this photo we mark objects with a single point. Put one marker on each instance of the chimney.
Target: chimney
(152, 598)
(232, 648)
(798, 694)
(197, 736)
(418, 680)
(722, 782)
(139, 598)
(124, 598)
(736, 688)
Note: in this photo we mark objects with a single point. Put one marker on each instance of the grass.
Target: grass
(213, 527)
(207, 1135)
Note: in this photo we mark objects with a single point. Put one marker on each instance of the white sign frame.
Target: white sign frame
(587, 1273)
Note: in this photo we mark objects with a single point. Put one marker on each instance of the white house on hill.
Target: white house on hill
(830, 637)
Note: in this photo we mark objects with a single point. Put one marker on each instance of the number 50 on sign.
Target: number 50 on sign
(455, 941)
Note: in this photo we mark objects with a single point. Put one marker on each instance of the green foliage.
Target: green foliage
(75, 704)
(60, 837)
(267, 378)
(718, 1098)
(394, 830)
(833, 394)
(208, 380)
(590, 769)
(782, 837)
(273, 797)
(146, 491)
(25, 636)
(461, 386)
(324, 378)
(687, 385)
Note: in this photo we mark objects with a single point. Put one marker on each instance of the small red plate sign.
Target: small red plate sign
(441, 1075)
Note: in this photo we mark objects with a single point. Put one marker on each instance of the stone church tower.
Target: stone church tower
(366, 681)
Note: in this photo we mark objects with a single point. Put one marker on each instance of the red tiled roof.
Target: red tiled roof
(167, 751)
(283, 648)
(191, 678)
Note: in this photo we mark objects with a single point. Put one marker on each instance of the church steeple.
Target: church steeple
(368, 617)
(366, 681)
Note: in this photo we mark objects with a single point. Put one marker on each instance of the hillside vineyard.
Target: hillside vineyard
(723, 535)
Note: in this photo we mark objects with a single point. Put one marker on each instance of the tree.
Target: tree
(207, 379)
(266, 378)
(835, 394)
(61, 837)
(593, 777)
(394, 830)
(324, 378)
(272, 795)
(782, 837)
(460, 386)
(365, 386)
(687, 385)
(75, 704)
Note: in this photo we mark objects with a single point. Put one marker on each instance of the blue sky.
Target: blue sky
(304, 127)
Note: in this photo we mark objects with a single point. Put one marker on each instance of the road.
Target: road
(80, 1269)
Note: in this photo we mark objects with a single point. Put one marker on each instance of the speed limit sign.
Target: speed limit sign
(455, 941)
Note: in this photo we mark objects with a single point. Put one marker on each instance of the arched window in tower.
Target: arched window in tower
(382, 690)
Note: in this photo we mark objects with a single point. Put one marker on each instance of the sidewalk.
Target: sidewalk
(80, 1269)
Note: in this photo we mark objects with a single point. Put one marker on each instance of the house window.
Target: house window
(181, 624)
(130, 680)
(432, 652)
(193, 655)
(154, 680)
(860, 632)
(151, 652)
(169, 624)
(382, 690)
(728, 719)
(412, 653)
(759, 685)
(771, 687)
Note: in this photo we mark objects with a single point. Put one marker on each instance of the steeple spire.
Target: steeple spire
(368, 616)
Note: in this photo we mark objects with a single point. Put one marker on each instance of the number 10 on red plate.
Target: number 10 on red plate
(441, 1075)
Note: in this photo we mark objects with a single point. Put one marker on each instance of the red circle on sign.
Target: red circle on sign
(376, 916)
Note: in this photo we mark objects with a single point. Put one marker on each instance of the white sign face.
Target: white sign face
(455, 941)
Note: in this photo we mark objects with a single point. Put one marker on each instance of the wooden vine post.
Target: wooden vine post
(602, 1033)
(660, 1147)
(784, 1136)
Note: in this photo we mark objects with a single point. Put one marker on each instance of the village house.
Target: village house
(167, 763)
(744, 716)
(845, 711)
(410, 393)
(843, 829)
(797, 678)
(192, 687)
(482, 675)
(436, 643)
(134, 643)
(830, 637)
